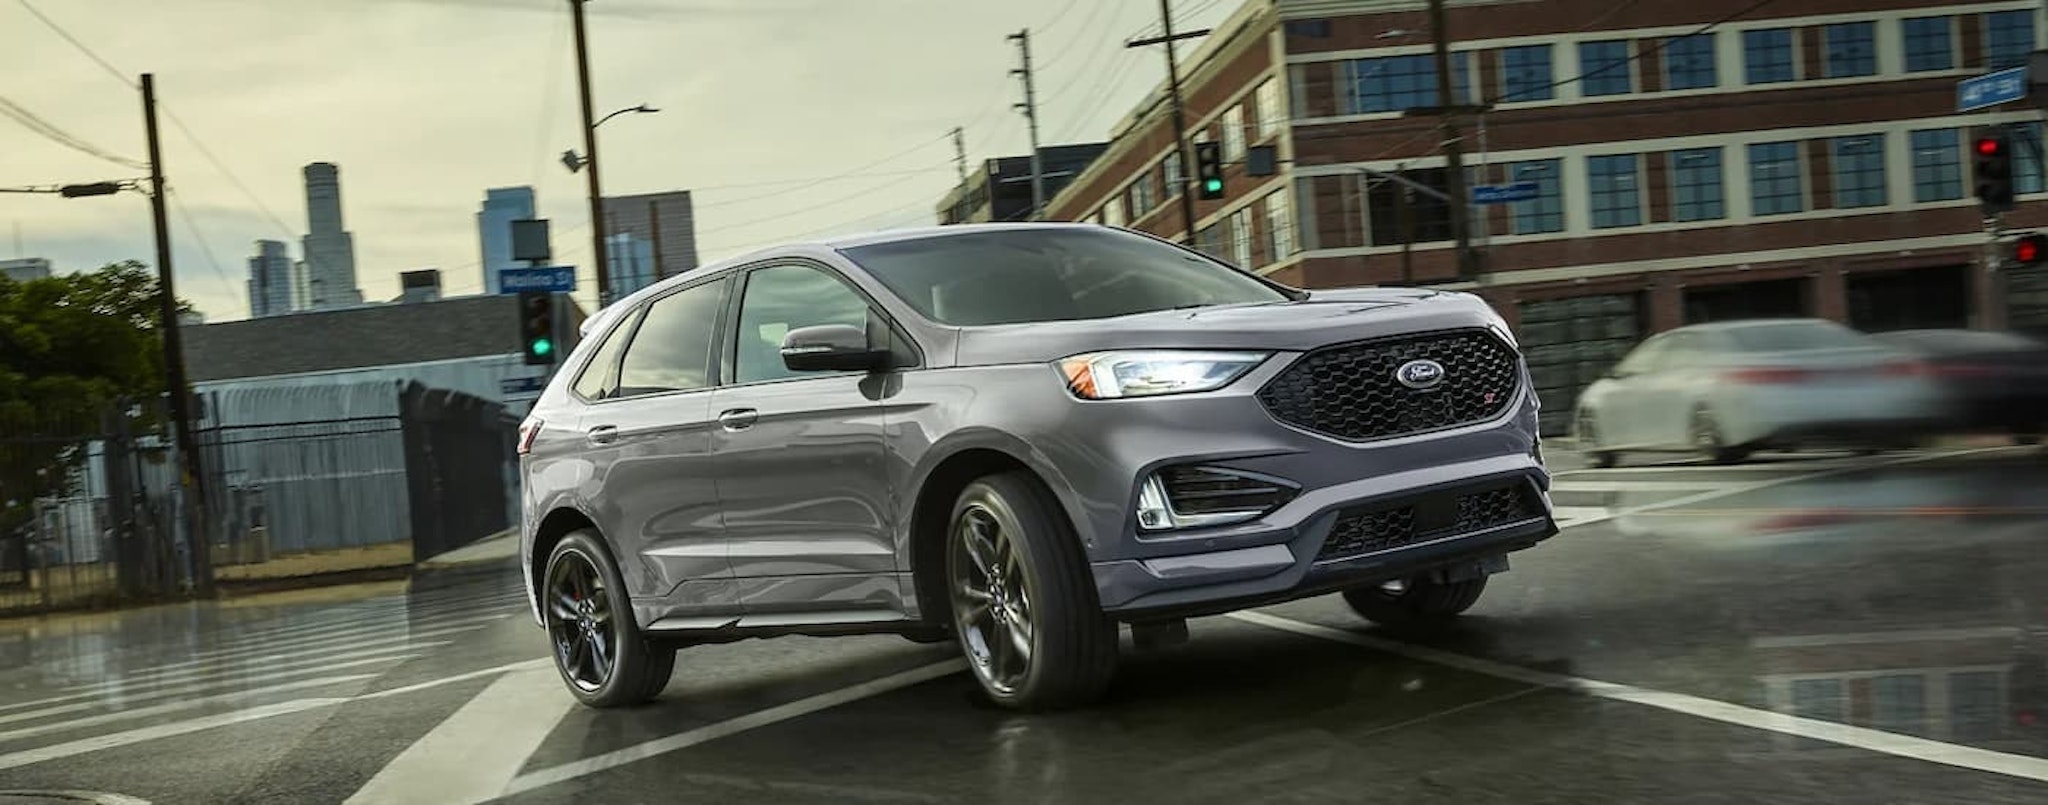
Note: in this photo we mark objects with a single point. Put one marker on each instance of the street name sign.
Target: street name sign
(1504, 193)
(1991, 89)
(548, 279)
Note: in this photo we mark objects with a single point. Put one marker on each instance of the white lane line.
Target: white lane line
(1577, 485)
(1947, 754)
(1743, 489)
(1568, 516)
(367, 623)
(181, 704)
(97, 701)
(473, 754)
(354, 615)
(377, 629)
(760, 718)
(176, 728)
(227, 674)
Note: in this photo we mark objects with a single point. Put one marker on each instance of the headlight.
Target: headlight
(1499, 325)
(1146, 373)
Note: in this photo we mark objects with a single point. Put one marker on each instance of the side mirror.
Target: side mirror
(831, 348)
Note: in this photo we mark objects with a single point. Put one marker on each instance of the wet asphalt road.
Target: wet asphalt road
(1802, 629)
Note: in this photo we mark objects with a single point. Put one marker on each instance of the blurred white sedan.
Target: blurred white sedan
(1729, 388)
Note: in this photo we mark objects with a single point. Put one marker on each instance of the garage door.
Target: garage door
(1908, 300)
(1770, 299)
(1570, 343)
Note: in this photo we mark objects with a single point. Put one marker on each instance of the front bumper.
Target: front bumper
(1292, 564)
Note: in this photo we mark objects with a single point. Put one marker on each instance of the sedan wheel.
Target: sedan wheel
(1706, 437)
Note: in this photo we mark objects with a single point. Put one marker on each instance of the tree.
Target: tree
(71, 348)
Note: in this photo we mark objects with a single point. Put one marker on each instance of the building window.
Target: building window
(1937, 165)
(1605, 69)
(1775, 186)
(1233, 134)
(1696, 190)
(1929, 44)
(1113, 212)
(1859, 171)
(1545, 212)
(1767, 56)
(1279, 225)
(1851, 48)
(2008, 38)
(1209, 240)
(1617, 197)
(1526, 75)
(1396, 83)
(1141, 197)
(1241, 237)
(2026, 158)
(1170, 172)
(1267, 96)
(1689, 62)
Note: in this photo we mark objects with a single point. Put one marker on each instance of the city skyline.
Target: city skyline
(329, 248)
(502, 206)
(275, 286)
(428, 121)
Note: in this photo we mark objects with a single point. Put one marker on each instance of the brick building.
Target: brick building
(1800, 157)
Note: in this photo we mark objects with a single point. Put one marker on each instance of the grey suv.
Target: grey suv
(1017, 437)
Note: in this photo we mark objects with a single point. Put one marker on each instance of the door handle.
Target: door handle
(738, 418)
(603, 434)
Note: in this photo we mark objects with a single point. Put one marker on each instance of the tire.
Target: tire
(1012, 558)
(1418, 603)
(1706, 437)
(1588, 436)
(584, 606)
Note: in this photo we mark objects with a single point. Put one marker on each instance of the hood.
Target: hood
(1325, 317)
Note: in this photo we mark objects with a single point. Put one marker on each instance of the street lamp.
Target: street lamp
(575, 162)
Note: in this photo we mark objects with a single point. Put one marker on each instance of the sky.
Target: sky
(787, 118)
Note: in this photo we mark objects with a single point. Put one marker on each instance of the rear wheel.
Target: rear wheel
(1023, 599)
(601, 653)
(1415, 602)
(1706, 437)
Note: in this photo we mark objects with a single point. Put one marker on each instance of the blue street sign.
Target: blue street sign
(521, 385)
(1991, 89)
(1504, 193)
(549, 279)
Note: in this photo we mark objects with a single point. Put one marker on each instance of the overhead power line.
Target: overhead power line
(51, 132)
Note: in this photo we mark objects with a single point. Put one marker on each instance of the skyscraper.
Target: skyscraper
(659, 232)
(273, 282)
(502, 206)
(330, 249)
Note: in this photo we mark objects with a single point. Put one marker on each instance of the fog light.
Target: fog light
(1153, 513)
(1192, 497)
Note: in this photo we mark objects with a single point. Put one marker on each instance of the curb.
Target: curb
(484, 551)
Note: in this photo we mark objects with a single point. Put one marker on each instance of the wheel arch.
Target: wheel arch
(558, 523)
(937, 489)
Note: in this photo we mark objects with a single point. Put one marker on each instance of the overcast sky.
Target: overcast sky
(425, 103)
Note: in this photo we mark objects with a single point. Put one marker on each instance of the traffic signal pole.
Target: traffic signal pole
(180, 395)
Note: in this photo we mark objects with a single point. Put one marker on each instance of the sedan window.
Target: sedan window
(1028, 275)
(1797, 336)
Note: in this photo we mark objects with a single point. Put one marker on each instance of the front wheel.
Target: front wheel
(1415, 602)
(601, 653)
(1023, 600)
(1706, 437)
(1588, 437)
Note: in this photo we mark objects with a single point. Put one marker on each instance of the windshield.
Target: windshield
(1027, 275)
(1797, 336)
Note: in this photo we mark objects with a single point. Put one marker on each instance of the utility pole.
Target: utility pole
(959, 154)
(1180, 120)
(654, 230)
(1453, 144)
(597, 225)
(1030, 109)
(196, 538)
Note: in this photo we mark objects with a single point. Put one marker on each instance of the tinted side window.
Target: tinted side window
(783, 298)
(672, 349)
(597, 380)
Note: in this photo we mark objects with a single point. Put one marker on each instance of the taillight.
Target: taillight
(1762, 375)
(527, 430)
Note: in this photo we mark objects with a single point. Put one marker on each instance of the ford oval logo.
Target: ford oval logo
(1420, 375)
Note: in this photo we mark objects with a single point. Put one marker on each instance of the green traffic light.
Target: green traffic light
(1213, 185)
(542, 346)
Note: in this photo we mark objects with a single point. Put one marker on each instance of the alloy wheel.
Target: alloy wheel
(580, 622)
(991, 603)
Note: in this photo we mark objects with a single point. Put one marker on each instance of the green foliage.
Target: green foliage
(71, 347)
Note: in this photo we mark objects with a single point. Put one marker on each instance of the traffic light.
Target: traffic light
(1991, 156)
(2030, 249)
(1209, 169)
(537, 328)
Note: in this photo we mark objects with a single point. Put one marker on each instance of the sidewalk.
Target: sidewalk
(500, 547)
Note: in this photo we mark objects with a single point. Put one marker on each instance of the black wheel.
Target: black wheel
(1415, 602)
(600, 651)
(1023, 600)
(1706, 437)
(1588, 437)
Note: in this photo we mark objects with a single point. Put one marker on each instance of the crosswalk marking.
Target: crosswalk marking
(450, 765)
(1568, 516)
(200, 665)
(181, 704)
(96, 700)
(1579, 485)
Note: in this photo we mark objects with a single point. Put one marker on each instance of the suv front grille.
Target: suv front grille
(1350, 391)
(1369, 529)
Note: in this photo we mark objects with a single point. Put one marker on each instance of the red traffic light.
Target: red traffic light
(1988, 146)
(2030, 249)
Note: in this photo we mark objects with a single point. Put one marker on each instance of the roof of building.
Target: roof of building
(353, 338)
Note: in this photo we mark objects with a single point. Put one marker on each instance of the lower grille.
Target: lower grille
(1370, 529)
(1200, 490)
